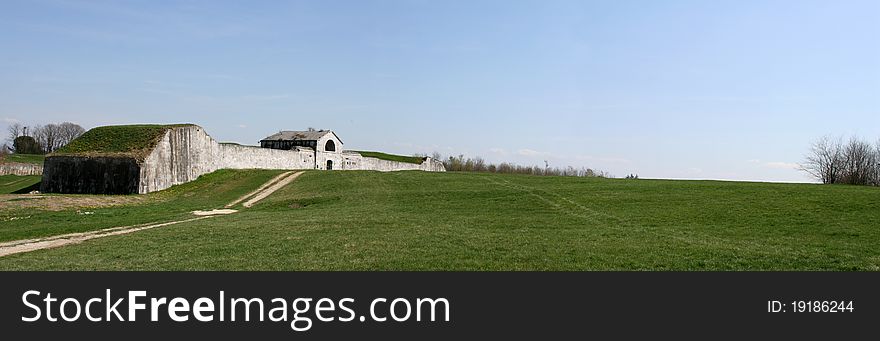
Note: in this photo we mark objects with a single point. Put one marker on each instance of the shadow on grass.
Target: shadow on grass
(28, 189)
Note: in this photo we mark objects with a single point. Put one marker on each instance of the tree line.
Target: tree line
(41, 139)
(461, 163)
(833, 161)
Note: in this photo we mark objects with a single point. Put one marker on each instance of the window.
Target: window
(330, 146)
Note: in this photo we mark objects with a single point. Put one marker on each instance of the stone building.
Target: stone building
(324, 142)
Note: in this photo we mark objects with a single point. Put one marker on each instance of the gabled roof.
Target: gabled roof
(307, 135)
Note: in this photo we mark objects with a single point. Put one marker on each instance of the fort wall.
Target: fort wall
(18, 168)
(185, 153)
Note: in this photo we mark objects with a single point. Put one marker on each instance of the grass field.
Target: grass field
(392, 157)
(358, 220)
(211, 191)
(16, 183)
(25, 158)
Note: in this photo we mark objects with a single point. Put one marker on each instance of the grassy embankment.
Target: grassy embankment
(135, 140)
(357, 220)
(37, 220)
(24, 158)
(392, 157)
(15, 183)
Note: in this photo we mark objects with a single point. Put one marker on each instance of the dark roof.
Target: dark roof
(308, 135)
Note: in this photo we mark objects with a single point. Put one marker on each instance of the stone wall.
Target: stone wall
(185, 153)
(354, 161)
(18, 168)
(233, 156)
(90, 175)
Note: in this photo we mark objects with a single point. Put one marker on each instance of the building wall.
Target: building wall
(18, 168)
(322, 143)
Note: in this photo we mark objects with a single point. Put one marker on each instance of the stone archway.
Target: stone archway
(329, 164)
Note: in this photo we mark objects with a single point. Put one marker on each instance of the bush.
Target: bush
(26, 145)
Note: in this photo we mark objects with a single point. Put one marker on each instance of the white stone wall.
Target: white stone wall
(354, 161)
(233, 156)
(185, 153)
(17, 168)
(181, 156)
(322, 143)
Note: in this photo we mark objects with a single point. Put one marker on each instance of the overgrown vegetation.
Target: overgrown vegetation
(360, 220)
(24, 158)
(130, 140)
(26, 145)
(855, 162)
(392, 157)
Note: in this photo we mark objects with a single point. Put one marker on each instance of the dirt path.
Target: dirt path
(268, 191)
(260, 189)
(27, 245)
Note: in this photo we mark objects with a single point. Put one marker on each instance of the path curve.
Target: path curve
(27, 245)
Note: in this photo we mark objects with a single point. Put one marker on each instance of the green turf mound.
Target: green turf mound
(24, 158)
(391, 157)
(134, 141)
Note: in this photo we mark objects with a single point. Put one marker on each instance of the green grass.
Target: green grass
(24, 158)
(15, 183)
(210, 191)
(392, 157)
(359, 220)
(131, 140)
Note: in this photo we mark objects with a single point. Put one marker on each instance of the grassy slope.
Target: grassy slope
(392, 157)
(132, 140)
(210, 191)
(24, 158)
(15, 183)
(461, 221)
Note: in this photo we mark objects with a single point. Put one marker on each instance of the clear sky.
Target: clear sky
(665, 89)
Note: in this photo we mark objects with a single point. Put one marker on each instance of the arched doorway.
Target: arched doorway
(329, 164)
(330, 146)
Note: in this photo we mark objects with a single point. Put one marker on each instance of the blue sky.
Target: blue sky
(665, 89)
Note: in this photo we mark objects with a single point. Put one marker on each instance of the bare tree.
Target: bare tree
(14, 130)
(825, 160)
(858, 162)
(47, 136)
(68, 132)
(876, 179)
(478, 164)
